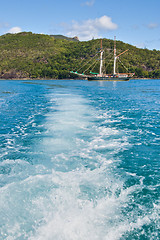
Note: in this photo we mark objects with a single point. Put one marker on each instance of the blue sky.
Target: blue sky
(136, 22)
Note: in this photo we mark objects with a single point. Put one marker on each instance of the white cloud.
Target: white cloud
(152, 25)
(89, 3)
(141, 45)
(4, 25)
(15, 30)
(91, 28)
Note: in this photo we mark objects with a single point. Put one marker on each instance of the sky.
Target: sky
(136, 22)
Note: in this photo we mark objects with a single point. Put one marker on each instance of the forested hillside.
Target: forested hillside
(28, 55)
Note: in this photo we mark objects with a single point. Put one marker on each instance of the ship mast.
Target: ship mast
(115, 57)
(101, 60)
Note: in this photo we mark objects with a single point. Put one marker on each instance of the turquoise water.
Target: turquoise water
(79, 160)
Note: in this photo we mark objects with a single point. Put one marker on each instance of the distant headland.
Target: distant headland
(27, 55)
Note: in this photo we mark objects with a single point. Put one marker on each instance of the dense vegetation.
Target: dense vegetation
(28, 55)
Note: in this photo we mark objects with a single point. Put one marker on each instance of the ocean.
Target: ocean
(79, 160)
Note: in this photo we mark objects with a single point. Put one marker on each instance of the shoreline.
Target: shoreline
(44, 79)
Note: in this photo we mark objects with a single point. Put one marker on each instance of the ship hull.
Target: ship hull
(95, 78)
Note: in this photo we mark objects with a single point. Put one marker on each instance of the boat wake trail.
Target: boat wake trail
(75, 187)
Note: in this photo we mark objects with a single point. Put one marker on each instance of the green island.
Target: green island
(27, 55)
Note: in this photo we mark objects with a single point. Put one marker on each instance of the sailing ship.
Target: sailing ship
(103, 76)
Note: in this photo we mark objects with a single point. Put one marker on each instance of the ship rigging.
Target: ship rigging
(115, 76)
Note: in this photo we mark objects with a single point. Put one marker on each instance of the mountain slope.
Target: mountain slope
(28, 55)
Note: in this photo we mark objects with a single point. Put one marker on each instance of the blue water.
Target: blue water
(79, 160)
